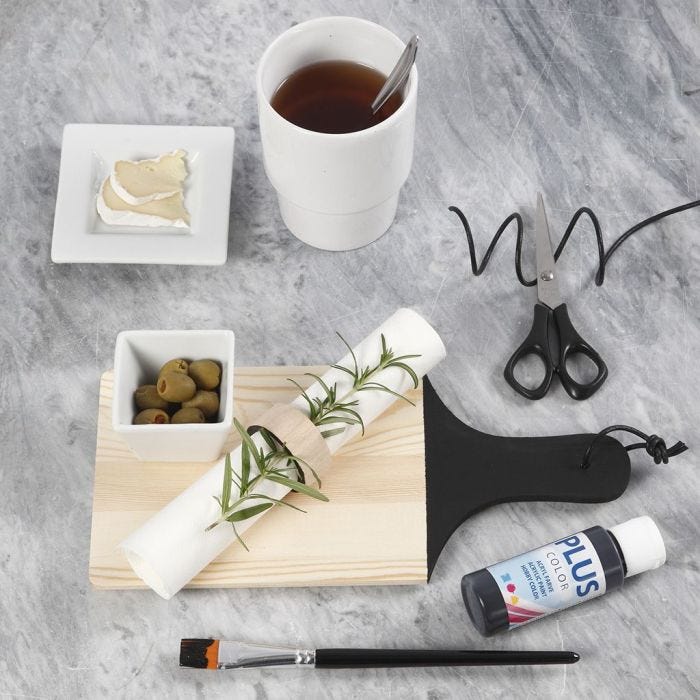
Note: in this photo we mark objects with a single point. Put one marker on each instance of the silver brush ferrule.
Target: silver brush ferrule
(244, 655)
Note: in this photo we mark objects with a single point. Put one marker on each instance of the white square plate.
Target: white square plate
(88, 154)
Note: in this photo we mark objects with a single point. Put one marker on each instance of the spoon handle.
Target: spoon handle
(398, 75)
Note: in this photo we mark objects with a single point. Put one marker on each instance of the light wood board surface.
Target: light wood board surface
(373, 530)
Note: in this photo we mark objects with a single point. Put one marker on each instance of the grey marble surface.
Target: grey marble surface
(587, 101)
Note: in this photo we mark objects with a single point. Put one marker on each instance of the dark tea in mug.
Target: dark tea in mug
(333, 97)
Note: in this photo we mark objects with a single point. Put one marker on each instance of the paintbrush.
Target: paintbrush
(221, 654)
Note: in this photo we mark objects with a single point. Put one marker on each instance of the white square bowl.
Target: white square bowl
(137, 358)
(88, 154)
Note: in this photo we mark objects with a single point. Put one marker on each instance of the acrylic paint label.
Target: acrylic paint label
(549, 578)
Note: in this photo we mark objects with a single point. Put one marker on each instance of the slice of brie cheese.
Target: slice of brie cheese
(142, 181)
(168, 211)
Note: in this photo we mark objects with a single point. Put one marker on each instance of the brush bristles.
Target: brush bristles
(199, 653)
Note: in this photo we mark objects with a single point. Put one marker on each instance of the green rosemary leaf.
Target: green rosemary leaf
(330, 393)
(344, 369)
(323, 384)
(404, 357)
(238, 537)
(250, 512)
(303, 393)
(354, 402)
(317, 478)
(278, 502)
(298, 487)
(245, 470)
(247, 440)
(375, 386)
(352, 353)
(294, 464)
(355, 414)
(268, 438)
(330, 418)
(298, 462)
(330, 433)
(352, 412)
(277, 456)
(228, 480)
(408, 370)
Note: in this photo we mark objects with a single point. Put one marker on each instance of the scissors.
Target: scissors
(552, 337)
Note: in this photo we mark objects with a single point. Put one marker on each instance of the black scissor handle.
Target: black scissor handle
(571, 343)
(536, 343)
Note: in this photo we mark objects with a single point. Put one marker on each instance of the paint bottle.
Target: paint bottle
(569, 571)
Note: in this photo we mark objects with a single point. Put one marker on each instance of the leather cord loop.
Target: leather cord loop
(654, 445)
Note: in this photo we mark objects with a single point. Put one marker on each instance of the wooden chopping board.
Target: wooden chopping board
(373, 530)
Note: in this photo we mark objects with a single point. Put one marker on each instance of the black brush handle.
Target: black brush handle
(387, 658)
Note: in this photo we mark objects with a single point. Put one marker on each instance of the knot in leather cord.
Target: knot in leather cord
(654, 445)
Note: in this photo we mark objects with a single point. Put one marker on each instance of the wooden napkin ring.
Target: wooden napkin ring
(297, 433)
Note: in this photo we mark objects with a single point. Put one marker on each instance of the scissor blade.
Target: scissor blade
(547, 285)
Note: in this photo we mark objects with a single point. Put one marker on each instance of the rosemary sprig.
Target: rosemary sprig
(331, 409)
(386, 359)
(278, 464)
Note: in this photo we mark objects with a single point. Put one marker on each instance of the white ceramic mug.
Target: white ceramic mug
(336, 191)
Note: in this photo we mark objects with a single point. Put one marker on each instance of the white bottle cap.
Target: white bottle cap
(641, 544)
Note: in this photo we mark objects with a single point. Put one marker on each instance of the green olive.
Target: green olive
(177, 365)
(146, 396)
(175, 387)
(150, 416)
(206, 374)
(188, 415)
(206, 401)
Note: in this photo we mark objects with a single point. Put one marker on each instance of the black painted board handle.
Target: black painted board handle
(467, 470)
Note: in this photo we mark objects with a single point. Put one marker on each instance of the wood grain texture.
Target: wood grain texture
(294, 429)
(373, 530)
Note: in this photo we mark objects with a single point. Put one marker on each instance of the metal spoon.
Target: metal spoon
(398, 75)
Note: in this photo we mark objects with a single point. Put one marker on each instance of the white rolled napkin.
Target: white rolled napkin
(174, 546)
